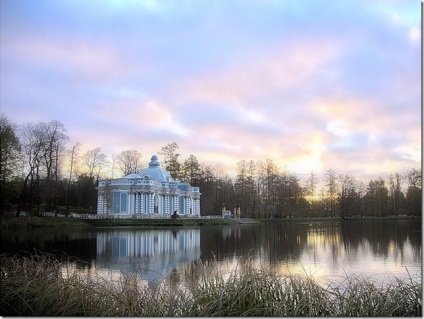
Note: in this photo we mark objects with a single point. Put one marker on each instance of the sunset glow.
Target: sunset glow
(311, 85)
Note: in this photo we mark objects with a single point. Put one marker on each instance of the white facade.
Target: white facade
(152, 192)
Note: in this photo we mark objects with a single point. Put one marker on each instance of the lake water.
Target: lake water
(322, 249)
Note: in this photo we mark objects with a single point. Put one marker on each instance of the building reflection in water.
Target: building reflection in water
(152, 254)
(324, 249)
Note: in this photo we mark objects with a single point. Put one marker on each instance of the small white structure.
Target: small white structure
(150, 193)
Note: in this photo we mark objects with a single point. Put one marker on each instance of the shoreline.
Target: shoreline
(55, 222)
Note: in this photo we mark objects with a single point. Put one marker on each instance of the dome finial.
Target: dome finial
(154, 161)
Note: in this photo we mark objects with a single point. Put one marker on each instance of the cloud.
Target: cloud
(309, 84)
(285, 67)
(365, 138)
(82, 61)
(415, 35)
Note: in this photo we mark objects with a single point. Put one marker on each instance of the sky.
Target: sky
(309, 84)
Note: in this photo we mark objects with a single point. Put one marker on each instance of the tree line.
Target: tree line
(40, 173)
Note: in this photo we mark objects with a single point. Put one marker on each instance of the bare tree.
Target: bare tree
(348, 199)
(330, 178)
(414, 191)
(312, 184)
(395, 192)
(245, 187)
(269, 183)
(54, 148)
(43, 144)
(377, 197)
(129, 161)
(240, 184)
(94, 160)
(311, 187)
(73, 153)
(32, 143)
(113, 164)
(252, 190)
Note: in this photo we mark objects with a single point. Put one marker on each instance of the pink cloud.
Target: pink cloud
(81, 58)
(259, 73)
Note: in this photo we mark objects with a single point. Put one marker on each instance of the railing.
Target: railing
(135, 216)
(141, 182)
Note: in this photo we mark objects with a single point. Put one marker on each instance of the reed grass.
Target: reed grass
(36, 286)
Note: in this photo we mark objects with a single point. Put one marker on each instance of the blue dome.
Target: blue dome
(132, 176)
(155, 172)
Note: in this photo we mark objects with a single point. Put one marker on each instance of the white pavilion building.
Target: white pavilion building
(150, 193)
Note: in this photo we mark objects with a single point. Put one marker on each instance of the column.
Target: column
(194, 206)
(103, 204)
(151, 203)
(163, 203)
(198, 206)
(130, 202)
(147, 198)
(191, 206)
(188, 204)
(137, 198)
(191, 209)
(183, 209)
(159, 199)
(135, 202)
(167, 204)
(134, 197)
(142, 210)
(172, 204)
(99, 203)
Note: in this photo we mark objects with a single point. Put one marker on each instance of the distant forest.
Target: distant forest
(40, 174)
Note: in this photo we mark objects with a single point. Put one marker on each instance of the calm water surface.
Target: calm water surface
(323, 249)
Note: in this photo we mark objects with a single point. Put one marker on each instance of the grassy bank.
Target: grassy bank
(35, 287)
(39, 222)
(158, 222)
